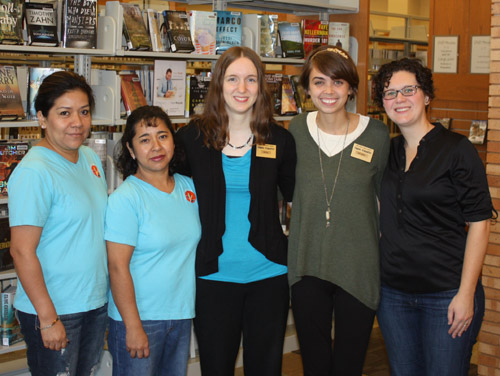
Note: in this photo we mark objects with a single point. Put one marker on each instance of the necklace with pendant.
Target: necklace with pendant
(241, 146)
(328, 212)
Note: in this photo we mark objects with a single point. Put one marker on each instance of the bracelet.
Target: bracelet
(50, 325)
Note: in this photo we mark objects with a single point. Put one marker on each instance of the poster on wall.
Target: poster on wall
(480, 54)
(445, 54)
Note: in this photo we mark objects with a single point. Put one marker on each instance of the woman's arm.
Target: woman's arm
(122, 288)
(461, 308)
(23, 245)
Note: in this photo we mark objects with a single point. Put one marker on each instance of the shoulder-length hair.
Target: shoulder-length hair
(213, 122)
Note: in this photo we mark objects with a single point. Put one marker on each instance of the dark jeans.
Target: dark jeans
(314, 303)
(225, 310)
(85, 332)
(168, 348)
(415, 330)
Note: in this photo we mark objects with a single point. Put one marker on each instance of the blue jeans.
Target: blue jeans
(168, 348)
(415, 330)
(85, 332)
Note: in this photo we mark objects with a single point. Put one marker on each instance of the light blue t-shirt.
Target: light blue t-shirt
(165, 229)
(68, 200)
(240, 262)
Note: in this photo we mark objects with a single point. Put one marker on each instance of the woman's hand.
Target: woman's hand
(460, 313)
(137, 343)
(54, 338)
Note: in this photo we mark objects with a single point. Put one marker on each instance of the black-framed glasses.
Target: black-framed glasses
(407, 91)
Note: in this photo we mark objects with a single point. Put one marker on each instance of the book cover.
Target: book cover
(170, 86)
(229, 27)
(302, 99)
(477, 131)
(11, 331)
(250, 32)
(274, 81)
(315, 34)
(36, 76)
(203, 27)
(288, 104)
(11, 22)
(198, 89)
(41, 22)
(80, 24)
(6, 262)
(291, 39)
(338, 35)
(154, 30)
(132, 93)
(11, 154)
(137, 36)
(268, 35)
(178, 34)
(11, 106)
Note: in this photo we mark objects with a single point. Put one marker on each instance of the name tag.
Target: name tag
(266, 151)
(362, 152)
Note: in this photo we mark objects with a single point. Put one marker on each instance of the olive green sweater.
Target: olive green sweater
(346, 253)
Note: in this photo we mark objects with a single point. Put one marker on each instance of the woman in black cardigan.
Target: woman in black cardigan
(238, 158)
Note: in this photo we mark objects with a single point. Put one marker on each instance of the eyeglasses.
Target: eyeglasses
(407, 91)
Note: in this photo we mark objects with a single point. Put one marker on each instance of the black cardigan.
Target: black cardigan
(266, 175)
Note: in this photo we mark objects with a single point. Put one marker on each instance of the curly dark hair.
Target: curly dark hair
(422, 74)
(149, 117)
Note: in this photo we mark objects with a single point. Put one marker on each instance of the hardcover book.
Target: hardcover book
(36, 76)
(154, 30)
(41, 22)
(288, 104)
(178, 34)
(229, 27)
(338, 35)
(132, 93)
(6, 262)
(274, 81)
(11, 106)
(203, 27)
(11, 154)
(134, 28)
(11, 22)
(80, 24)
(315, 34)
(170, 86)
(198, 89)
(304, 102)
(268, 35)
(291, 39)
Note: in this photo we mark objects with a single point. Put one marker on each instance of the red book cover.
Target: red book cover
(132, 94)
(315, 34)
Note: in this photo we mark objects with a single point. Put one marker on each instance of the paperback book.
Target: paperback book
(303, 101)
(36, 77)
(80, 24)
(291, 39)
(288, 104)
(177, 29)
(338, 35)
(11, 331)
(268, 35)
(203, 27)
(11, 106)
(229, 26)
(41, 24)
(134, 28)
(6, 261)
(11, 20)
(170, 86)
(315, 34)
(274, 82)
(132, 93)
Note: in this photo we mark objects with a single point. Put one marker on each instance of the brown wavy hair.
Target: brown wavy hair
(213, 122)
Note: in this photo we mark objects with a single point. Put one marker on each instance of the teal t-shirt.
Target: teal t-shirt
(240, 262)
(165, 229)
(68, 200)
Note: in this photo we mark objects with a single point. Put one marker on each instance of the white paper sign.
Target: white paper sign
(445, 54)
(480, 54)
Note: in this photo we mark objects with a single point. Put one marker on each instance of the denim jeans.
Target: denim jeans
(168, 348)
(85, 332)
(415, 330)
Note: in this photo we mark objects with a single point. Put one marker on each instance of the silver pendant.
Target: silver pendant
(327, 216)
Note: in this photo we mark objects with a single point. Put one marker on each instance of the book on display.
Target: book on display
(11, 22)
(80, 24)
(134, 28)
(291, 39)
(203, 27)
(11, 105)
(41, 24)
(229, 27)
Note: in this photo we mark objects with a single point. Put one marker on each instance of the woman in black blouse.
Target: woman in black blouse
(434, 187)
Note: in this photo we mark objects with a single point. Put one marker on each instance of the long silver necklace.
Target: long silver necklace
(328, 212)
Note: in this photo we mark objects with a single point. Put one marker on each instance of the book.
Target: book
(41, 24)
(134, 28)
(177, 28)
(274, 81)
(304, 102)
(6, 261)
(170, 86)
(291, 39)
(268, 35)
(132, 93)
(477, 131)
(315, 34)
(338, 35)
(154, 30)
(11, 106)
(203, 27)
(250, 32)
(288, 104)
(198, 89)
(11, 20)
(80, 24)
(36, 77)
(11, 154)
(229, 27)
(11, 331)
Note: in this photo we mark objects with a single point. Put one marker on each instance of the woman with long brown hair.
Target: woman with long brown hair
(238, 158)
